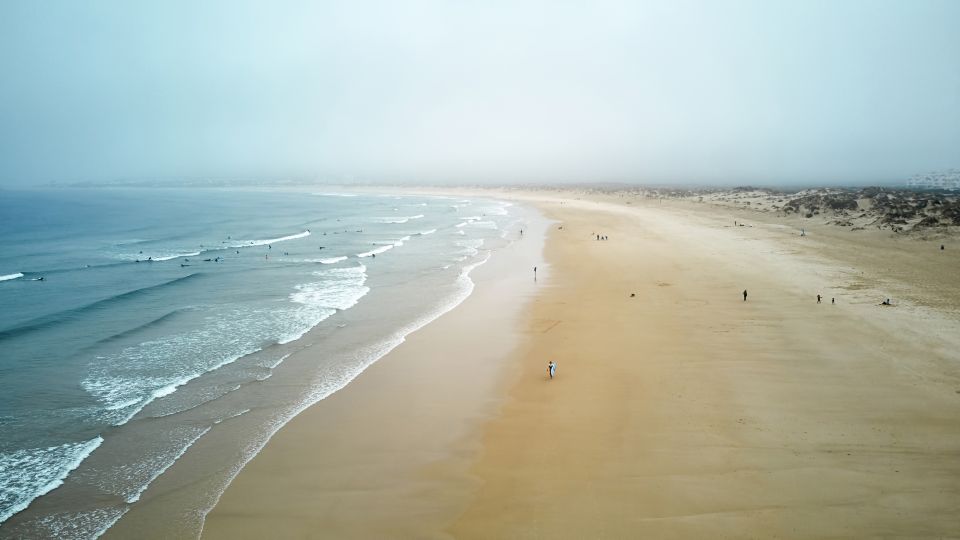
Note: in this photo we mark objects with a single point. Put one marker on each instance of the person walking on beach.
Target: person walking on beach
(534, 273)
(818, 298)
(744, 295)
(552, 368)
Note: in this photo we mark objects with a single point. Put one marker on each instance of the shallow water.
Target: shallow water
(165, 313)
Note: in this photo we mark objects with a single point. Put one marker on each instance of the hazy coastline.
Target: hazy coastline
(668, 415)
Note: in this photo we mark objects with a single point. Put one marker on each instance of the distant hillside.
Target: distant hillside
(899, 210)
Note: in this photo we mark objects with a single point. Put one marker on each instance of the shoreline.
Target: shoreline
(165, 497)
(720, 417)
(417, 408)
(175, 495)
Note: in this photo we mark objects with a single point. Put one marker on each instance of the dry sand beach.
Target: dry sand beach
(678, 410)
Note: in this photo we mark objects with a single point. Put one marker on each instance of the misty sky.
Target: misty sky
(726, 92)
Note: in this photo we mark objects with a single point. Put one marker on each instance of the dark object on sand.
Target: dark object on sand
(744, 295)
(632, 295)
(886, 302)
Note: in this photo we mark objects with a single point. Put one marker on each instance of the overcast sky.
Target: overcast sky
(727, 92)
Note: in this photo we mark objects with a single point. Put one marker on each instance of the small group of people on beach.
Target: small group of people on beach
(602, 237)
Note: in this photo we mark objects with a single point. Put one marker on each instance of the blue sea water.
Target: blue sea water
(115, 300)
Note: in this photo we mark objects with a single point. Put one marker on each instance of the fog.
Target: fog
(729, 92)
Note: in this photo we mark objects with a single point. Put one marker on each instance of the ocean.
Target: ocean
(138, 324)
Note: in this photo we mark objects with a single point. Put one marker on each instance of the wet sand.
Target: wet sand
(388, 455)
(682, 411)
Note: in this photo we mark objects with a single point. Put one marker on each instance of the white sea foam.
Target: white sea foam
(470, 246)
(166, 390)
(397, 220)
(157, 472)
(278, 361)
(339, 289)
(116, 406)
(125, 393)
(28, 474)
(334, 194)
(157, 257)
(424, 233)
(177, 256)
(129, 478)
(234, 415)
(124, 396)
(249, 243)
(328, 260)
(8, 277)
(376, 251)
(129, 380)
(342, 292)
(85, 524)
(463, 224)
(205, 398)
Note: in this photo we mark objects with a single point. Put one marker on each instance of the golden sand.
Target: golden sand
(680, 411)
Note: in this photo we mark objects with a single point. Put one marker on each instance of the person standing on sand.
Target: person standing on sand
(551, 368)
(818, 298)
(744, 295)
